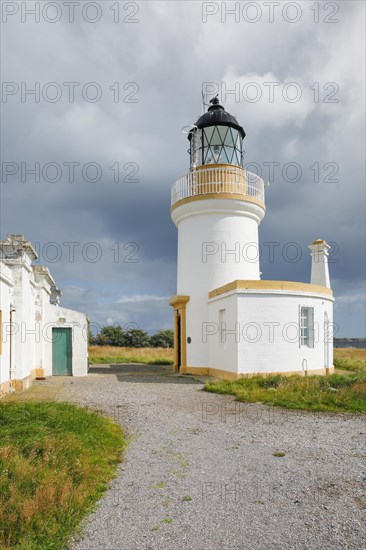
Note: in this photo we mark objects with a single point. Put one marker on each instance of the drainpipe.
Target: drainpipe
(11, 369)
(87, 343)
(305, 367)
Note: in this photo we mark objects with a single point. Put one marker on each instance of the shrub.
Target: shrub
(110, 336)
(136, 338)
(162, 339)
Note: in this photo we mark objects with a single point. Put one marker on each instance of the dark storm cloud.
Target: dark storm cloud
(169, 54)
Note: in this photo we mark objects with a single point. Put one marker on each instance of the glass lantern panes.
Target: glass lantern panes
(221, 145)
(207, 135)
(216, 138)
(196, 147)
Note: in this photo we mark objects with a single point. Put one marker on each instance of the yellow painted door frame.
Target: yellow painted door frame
(180, 343)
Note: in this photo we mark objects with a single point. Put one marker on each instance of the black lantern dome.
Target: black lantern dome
(216, 138)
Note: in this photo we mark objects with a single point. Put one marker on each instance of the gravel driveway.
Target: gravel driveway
(200, 471)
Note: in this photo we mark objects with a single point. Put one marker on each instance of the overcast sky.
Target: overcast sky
(296, 71)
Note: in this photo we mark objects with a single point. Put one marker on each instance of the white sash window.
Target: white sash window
(307, 327)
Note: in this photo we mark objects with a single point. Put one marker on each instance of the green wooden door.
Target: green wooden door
(61, 352)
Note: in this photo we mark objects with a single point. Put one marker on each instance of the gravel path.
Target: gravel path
(200, 471)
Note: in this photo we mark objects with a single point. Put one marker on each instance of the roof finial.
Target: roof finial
(215, 104)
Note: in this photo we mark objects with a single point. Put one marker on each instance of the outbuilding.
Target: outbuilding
(39, 338)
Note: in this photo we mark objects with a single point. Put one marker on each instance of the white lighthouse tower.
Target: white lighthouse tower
(217, 208)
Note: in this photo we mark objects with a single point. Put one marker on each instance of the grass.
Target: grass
(350, 359)
(149, 356)
(55, 462)
(337, 392)
(158, 486)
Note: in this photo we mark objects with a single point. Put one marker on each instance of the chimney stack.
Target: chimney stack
(319, 263)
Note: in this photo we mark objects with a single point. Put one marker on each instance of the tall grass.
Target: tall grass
(338, 392)
(55, 462)
(112, 354)
(350, 359)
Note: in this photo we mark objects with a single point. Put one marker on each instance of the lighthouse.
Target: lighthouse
(222, 309)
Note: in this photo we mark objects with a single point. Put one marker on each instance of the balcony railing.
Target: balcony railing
(225, 179)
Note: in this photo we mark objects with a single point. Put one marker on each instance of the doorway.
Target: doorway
(61, 352)
(180, 349)
(179, 342)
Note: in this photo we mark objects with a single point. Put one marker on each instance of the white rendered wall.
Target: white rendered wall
(32, 327)
(78, 322)
(25, 330)
(223, 350)
(6, 286)
(41, 296)
(217, 244)
(268, 332)
(208, 230)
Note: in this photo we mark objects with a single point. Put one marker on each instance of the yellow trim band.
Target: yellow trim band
(270, 285)
(231, 376)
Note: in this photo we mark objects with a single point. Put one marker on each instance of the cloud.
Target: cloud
(169, 54)
(141, 298)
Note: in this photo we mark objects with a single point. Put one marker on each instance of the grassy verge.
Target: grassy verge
(55, 462)
(149, 356)
(338, 392)
(350, 359)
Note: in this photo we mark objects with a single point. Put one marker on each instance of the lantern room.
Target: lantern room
(216, 138)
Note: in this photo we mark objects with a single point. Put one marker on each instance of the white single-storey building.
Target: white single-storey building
(39, 338)
(228, 322)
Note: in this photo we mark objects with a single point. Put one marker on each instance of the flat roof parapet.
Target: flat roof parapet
(41, 271)
(14, 246)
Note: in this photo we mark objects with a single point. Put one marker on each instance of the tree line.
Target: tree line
(132, 338)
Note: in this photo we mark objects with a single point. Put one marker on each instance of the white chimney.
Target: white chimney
(319, 263)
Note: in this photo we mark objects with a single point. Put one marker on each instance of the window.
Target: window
(307, 327)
